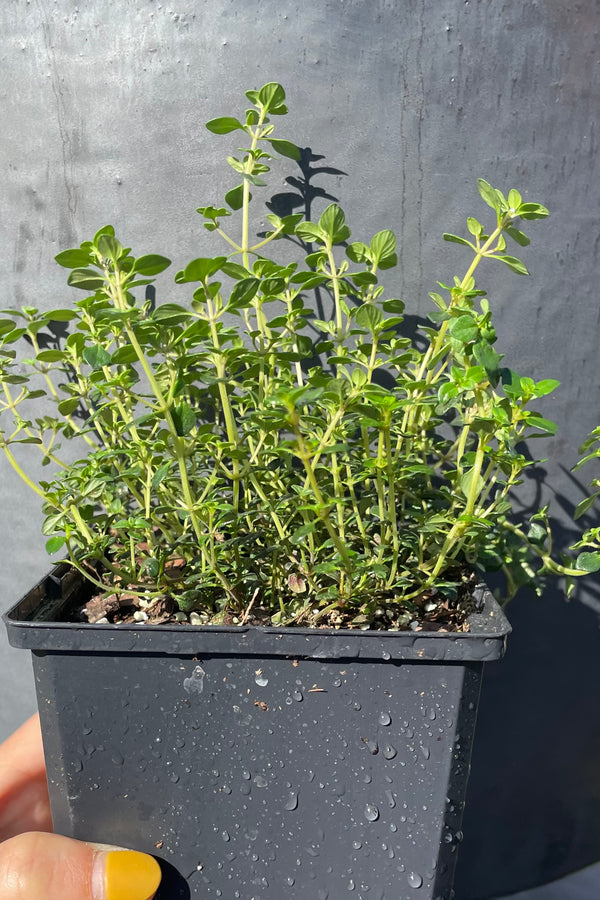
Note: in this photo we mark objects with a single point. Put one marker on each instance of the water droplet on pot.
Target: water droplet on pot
(290, 881)
(384, 718)
(431, 714)
(117, 759)
(371, 812)
(292, 802)
(367, 778)
(386, 655)
(298, 695)
(288, 701)
(195, 683)
(425, 751)
(87, 729)
(261, 680)
(174, 777)
(226, 836)
(260, 781)
(246, 775)
(357, 845)
(337, 682)
(357, 706)
(389, 751)
(390, 799)
(393, 827)
(414, 879)
(351, 885)
(373, 747)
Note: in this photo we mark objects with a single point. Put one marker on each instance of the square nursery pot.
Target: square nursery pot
(260, 763)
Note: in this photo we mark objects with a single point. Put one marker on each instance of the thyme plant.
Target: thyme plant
(240, 452)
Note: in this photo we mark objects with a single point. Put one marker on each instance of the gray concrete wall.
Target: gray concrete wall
(102, 111)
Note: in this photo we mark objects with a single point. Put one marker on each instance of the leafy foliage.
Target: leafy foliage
(232, 457)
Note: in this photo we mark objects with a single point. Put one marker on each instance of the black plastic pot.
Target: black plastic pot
(261, 763)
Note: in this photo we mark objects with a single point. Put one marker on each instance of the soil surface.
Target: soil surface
(432, 611)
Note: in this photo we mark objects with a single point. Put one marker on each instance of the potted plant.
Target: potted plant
(260, 655)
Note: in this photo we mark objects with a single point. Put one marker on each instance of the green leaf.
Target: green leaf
(201, 269)
(243, 293)
(514, 199)
(160, 474)
(54, 544)
(184, 418)
(455, 239)
(124, 356)
(109, 247)
(151, 567)
(151, 264)
(308, 280)
(96, 356)
(174, 311)
(464, 329)
(73, 259)
(66, 407)
(6, 326)
(546, 386)
(332, 224)
(285, 148)
(488, 194)
(86, 279)
(588, 562)
(235, 197)
(59, 315)
(301, 532)
(393, 305)
(585, 504)
(309, 232)
(106, 229)
(271, 97)
(369, 317)
(235, 270)
(50, 356)
(362, 278)
(475, 227)
(487, 357)
(515, 264)
(224, 125)
(545, 425)
(533, 211)
(383, 249)
(518, 236)
(358, 252)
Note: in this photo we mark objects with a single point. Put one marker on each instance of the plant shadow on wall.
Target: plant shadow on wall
(252, 459)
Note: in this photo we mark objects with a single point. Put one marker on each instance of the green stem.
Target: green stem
(324, 508)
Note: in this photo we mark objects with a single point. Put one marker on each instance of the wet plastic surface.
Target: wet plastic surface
(259, 764)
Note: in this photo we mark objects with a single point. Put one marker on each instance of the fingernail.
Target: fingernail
(128, 875)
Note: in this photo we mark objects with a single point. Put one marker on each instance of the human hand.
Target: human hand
(38, 865)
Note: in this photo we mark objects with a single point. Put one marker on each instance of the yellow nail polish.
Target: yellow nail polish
(129, 875)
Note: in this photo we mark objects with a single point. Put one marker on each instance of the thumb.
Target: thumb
(38, 866)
